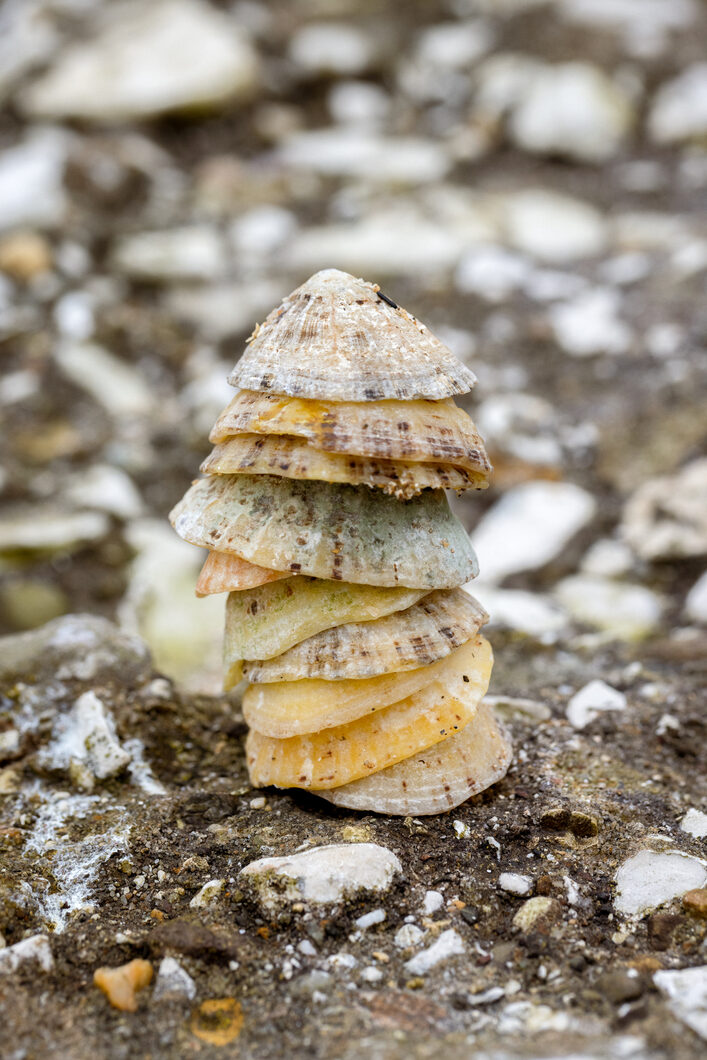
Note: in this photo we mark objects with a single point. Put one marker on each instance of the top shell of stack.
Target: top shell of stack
(338, 338)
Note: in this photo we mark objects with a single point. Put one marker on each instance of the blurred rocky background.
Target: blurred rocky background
(526, 176)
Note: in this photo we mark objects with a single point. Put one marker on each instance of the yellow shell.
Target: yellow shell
(340, 339)
(223, 573)
(258, 454)
(342, 754)
(439, 778)
(432, 431)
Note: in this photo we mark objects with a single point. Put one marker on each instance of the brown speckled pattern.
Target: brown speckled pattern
(335, 338)
(420, 635)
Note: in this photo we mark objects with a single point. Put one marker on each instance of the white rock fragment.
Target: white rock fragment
(696, 601)
(31, 180)
(219, 311)
(695, 822)
(679, 110)
(148, 59)
(571, 109)
(338, 48)
(461, 829)
(432, 902)
(85, 743)
(449, 944)
(107, 489)
(591, 701)
(208, 894)
(590, 323)
(173, 983)
(261, 231)
(358, 103)
(182, 631)
(530, 526)
(649, 879)
(376, 916)
(48, 530)
(522, 425)
(491, 272)
(34, 950)
(666, 518)
(407, 936)
(371, 974)
(514, 883)
(607, 558)
(351, 153)
(455, 45)
(686, 991)
(533, 614)
(113, 383)
(553, 227)
(619, 609)
(196, 252)
(486, 997)
(324, 875)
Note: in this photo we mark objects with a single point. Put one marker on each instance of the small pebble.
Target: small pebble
(120, 985)
(515, 884)
(695, 902)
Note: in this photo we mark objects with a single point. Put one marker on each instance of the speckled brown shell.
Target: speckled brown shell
(338, 338)
(406, 640)
(258, 454)
(347, 533)
(435, 432)
(439, 778)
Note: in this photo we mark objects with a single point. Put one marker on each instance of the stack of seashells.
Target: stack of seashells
(324, 513)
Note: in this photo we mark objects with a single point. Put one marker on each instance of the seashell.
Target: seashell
(340, 339)
(272, 618)
(422, 634)
(430, 431)
(223, 572)
(439, 778)
(344, 753)
(348, 533)
(291, 708)
(259, 454)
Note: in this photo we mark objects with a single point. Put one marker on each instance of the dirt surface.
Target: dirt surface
(114, 361)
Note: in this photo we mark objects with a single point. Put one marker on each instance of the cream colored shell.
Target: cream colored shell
(338, 338)
(439, 778)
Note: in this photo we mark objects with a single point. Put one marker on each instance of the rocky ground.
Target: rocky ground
(528, 177)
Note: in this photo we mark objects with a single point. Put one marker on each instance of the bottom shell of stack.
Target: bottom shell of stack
(422, 754)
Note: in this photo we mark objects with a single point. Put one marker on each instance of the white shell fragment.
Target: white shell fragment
(340, 339)
(438, 779)
(418, 636)
(348, 533)
(650, 878)
(324, 876)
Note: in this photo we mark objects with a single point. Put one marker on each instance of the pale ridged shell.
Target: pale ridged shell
(345, 753)
(336, 338)
(440, 778)
(430, 431)
(223, 573)
(348, 533)
(406, 640)
(258, 454)
(292, 708)
(267, 621)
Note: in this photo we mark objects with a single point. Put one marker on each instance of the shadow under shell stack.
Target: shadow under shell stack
(324, 513)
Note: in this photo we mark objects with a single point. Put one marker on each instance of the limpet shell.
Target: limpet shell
(329, 530)
(291, 708)
(436, 432)
(268, 620)
(345, 753)
(427, 631)
(258, 454)
(438, 779)
(336, 337)
(223, 572)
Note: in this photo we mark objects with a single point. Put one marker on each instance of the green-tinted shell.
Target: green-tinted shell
(426, 631)
(268, 620)
(329, 530)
